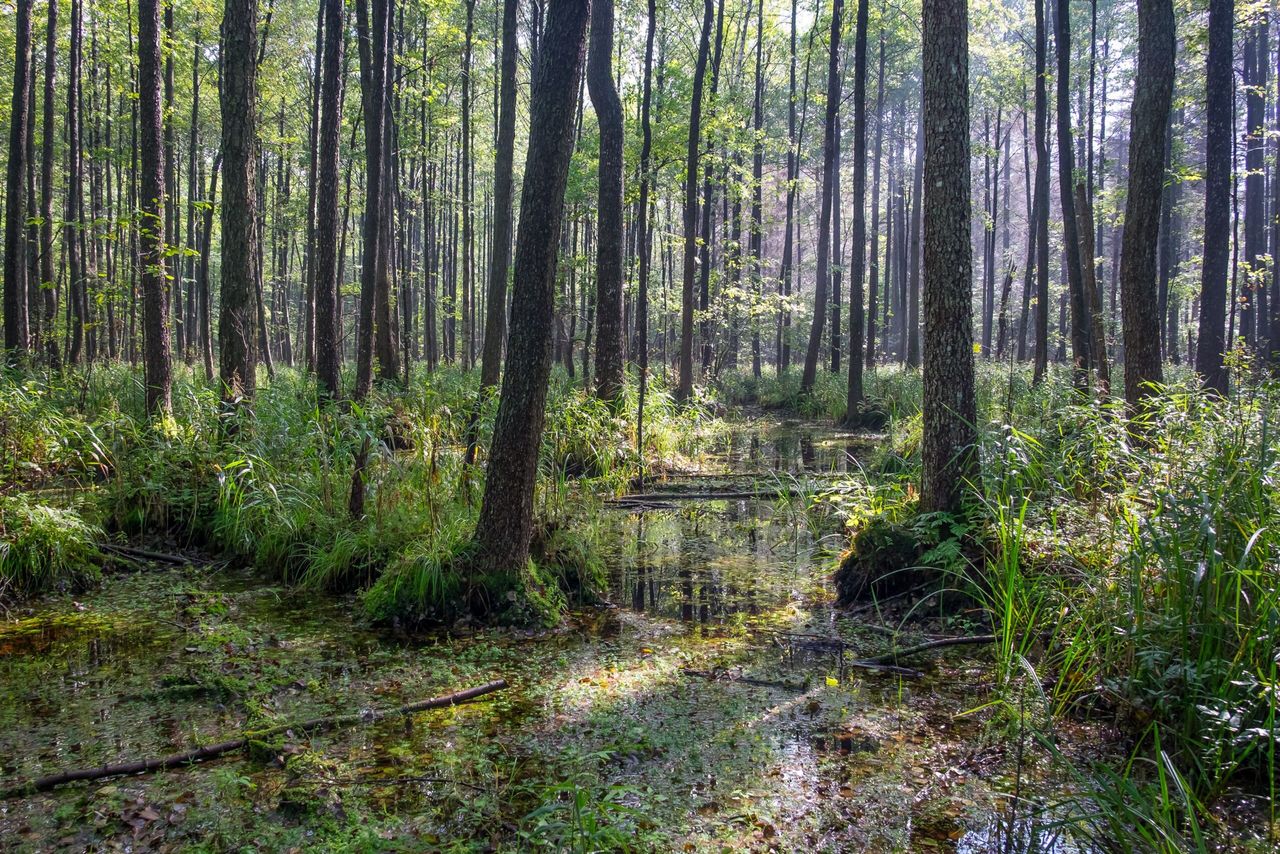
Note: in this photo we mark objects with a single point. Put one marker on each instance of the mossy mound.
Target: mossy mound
(890, 557)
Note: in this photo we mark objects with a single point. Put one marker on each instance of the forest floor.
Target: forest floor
(628, 725)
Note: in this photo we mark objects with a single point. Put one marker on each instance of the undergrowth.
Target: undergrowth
(1131, 569)
(270, 485)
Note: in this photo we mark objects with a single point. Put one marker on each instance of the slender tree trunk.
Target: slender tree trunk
(948, 448)
(47, 283)
(912, 327)
(684, 389)
(505, 527)
(1041, 203)
(854, 397)
(643, 239)
(1066, 187)
(325, 258)
(757, 189)
(783, 344)
(874, 259)
(495, 330)
(1148, 124)
(824, 213)
(609, 245)
(1210, 341)
(157, 366)
(17, 332)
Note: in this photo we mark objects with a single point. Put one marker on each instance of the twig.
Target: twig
(212, 751)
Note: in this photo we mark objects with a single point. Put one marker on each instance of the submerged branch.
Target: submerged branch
(212, 751)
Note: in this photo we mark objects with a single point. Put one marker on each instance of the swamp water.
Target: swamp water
(674, 720)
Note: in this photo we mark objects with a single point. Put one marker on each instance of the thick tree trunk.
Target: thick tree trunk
(824, 212)
(684, 388)
(1148, 124)
(506, 514)
(1211, 343)
(948, 451)
(238, 332)
(608, 107)
(325, 258)
(16, 329)
(157, 367)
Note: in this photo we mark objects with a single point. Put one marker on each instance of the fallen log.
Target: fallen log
(747, 495)
(212, 751)
(146, 554)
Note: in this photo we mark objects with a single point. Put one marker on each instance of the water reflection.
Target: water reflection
(706, 560)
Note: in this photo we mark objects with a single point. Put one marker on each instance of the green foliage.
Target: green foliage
(43, 547)
(269, 486)
(1135, 560)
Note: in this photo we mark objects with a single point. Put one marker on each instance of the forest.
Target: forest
(640, 425)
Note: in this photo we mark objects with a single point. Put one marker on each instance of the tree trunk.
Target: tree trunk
(47, 284)
(495, 329)
(857, 319)
(325, 258)
(643, 243)
(1210, 341)
(874, 260)
(1148, 124)
(506, 513)
(1041, 204)
(608, 107)
(948, 450)
(16, 329)
(238, 332)
(684, 388)
(1080, 356)
(824, 212)
(157, 368)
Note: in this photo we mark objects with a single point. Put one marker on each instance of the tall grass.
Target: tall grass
(269, 485)
(1140, 564)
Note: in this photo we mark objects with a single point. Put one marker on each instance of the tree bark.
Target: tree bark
(157, 368)
(238, 332)
(1041, 204)
(327, 328)
(1148, 124)
(506, 513)
(609, 243)
(948, 449)
(1211, 342)
(1080, 355)
(16, 329)
(684, 387)
(495, 329)
(47, 284)
(822, 274)
(857, 318)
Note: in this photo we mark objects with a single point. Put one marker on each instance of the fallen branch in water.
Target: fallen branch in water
(940, 643)
(145, 554)
(212, 751)
(761, 494)
(724, 676)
